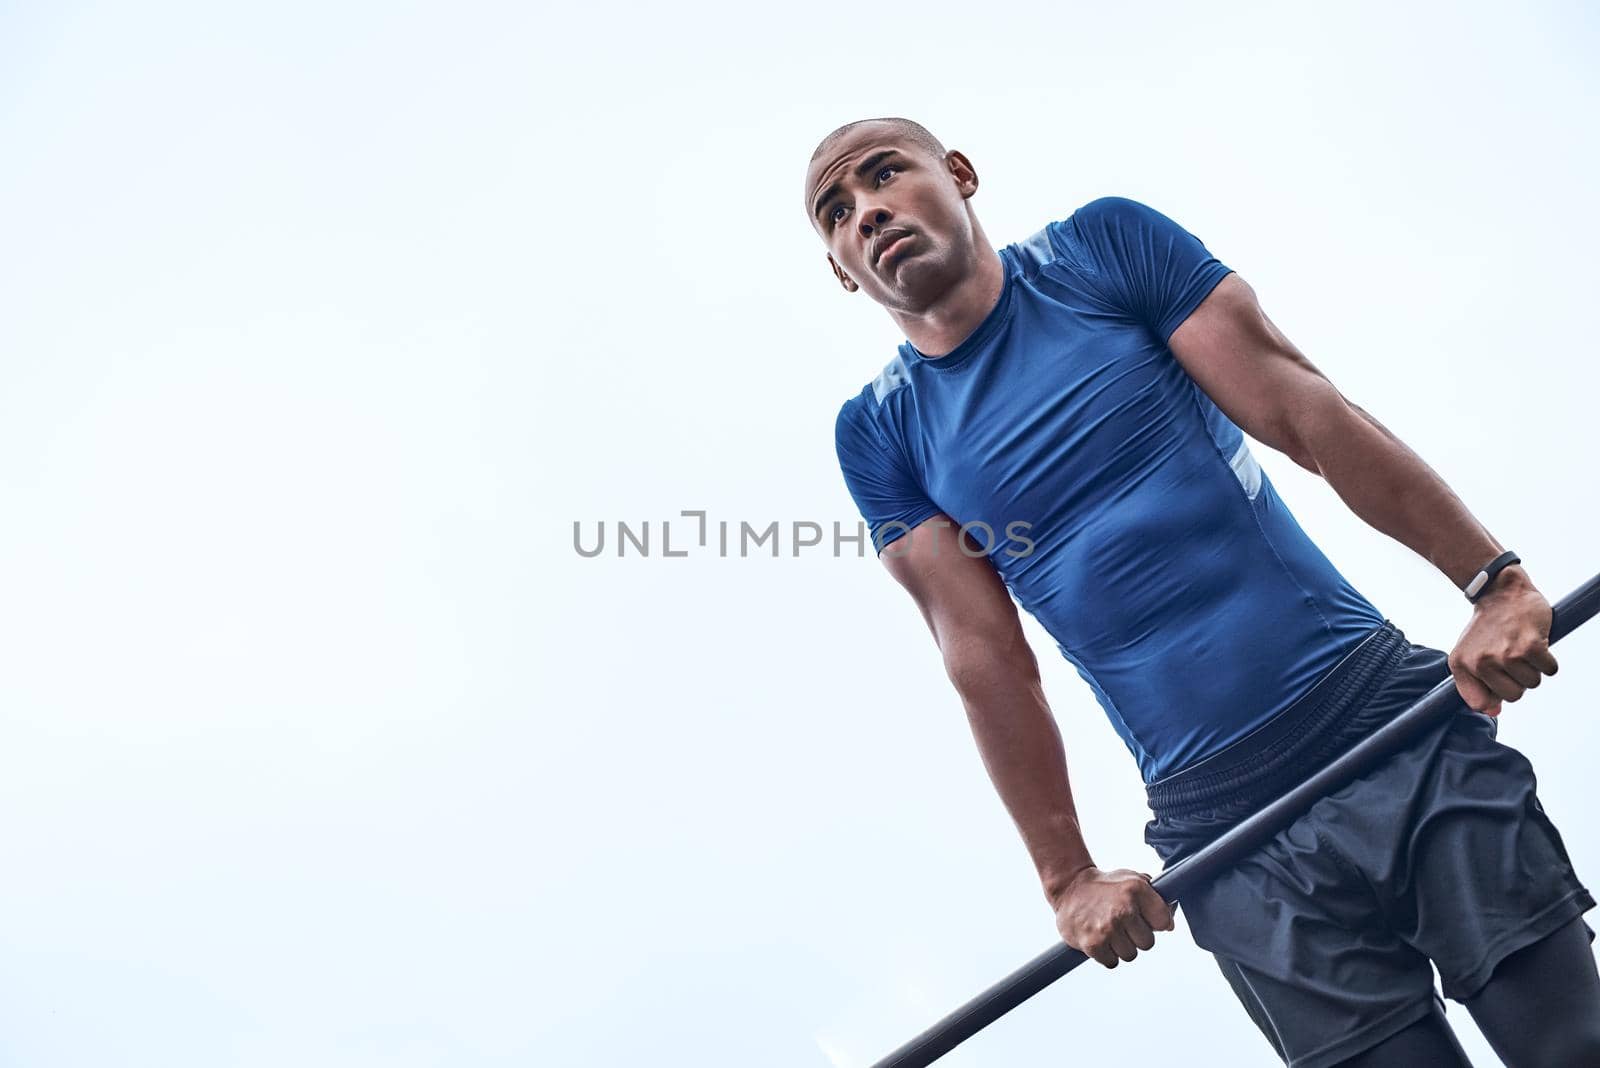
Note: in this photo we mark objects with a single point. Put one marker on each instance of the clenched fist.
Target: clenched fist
(1110, 915)
(1505, 650)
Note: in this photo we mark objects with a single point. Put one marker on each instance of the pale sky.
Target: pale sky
(324, 323)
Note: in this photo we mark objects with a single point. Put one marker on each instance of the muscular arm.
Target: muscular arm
(1265, 384)
(1268, 387)
(1108, 915)
(993, 669)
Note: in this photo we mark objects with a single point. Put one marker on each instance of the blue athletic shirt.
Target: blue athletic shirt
(1127, 513)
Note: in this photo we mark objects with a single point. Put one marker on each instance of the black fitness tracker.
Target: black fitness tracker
(1481, 580)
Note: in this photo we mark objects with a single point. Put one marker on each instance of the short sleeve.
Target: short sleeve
(1148, 265)
(886, 493)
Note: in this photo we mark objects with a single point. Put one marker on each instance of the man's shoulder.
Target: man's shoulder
(865, 403)
(855, 428)
(853, 413)
(1095, 215)
(1081, 241)
(865, 418)
(1111, 211)
(1059, 240)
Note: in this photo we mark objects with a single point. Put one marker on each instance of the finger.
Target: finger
(1157, 913)
(1123, 946)
(1474, 694)
(1139, 932)
(1500, 684)
(1523, 672)
(1493, 710)
(1542, 658)
(1103, 954)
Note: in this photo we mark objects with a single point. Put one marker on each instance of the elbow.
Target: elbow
(1325, 421)
(978, 662)
(1302, 454)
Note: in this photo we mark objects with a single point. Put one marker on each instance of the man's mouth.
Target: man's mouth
(889, 241)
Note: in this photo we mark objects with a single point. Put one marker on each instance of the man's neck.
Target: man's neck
(937, 330)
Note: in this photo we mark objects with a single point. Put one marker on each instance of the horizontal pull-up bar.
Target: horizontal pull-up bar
(1570, 612)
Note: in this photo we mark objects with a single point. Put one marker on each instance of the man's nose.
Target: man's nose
(873, 221)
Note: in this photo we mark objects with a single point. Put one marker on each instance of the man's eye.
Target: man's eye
(885, 171)
(833, 214)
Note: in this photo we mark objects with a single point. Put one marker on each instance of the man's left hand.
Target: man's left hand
(1505, 649)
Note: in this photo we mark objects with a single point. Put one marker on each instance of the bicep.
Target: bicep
(1252, 372)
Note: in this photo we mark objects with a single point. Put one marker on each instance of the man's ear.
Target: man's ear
(844, 279)
(962, 171)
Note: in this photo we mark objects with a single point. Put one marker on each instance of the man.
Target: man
(1064, 426)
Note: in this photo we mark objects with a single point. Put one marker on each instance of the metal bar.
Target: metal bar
(1570, 612)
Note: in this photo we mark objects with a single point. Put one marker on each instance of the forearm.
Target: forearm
(1394, 491)
(1021, 749)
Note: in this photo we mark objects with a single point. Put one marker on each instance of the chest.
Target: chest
(1064, 411)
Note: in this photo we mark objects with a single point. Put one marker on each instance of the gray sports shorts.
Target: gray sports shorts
(1442, 853)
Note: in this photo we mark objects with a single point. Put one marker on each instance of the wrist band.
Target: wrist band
(1481, 580)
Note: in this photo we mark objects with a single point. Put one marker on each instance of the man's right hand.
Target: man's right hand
(1110, 915)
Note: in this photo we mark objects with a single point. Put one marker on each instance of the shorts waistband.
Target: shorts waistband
(1303, 738)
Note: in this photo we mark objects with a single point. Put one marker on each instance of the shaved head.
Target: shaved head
(914, 132)
(894, 208)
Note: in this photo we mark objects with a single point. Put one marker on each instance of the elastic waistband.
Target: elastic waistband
(1301, 739)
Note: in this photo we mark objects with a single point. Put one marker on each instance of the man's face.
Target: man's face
(894, 217)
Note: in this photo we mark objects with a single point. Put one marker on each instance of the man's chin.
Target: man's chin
(909, 275)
